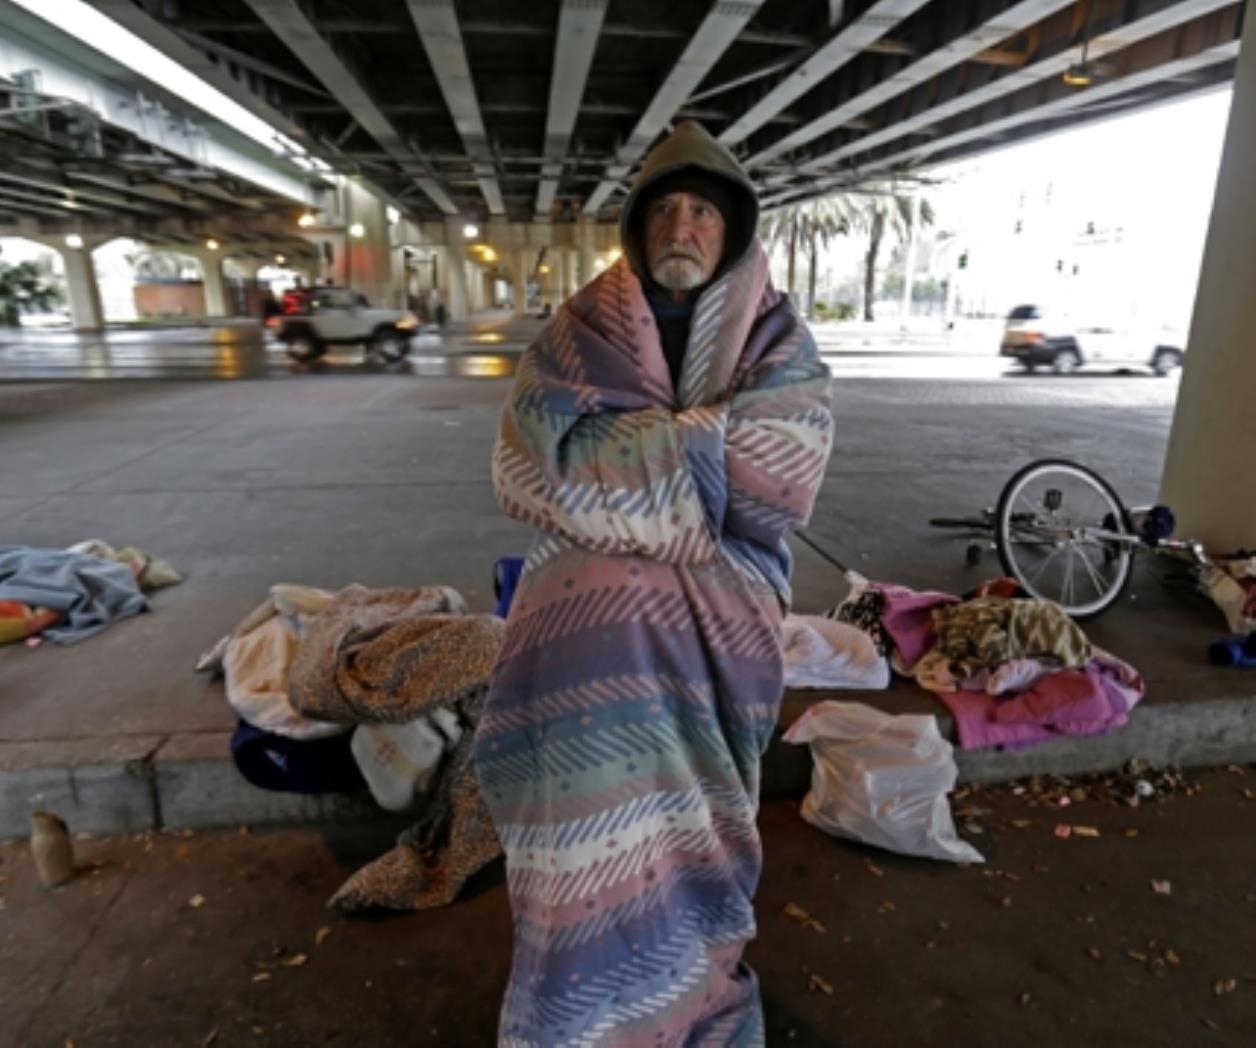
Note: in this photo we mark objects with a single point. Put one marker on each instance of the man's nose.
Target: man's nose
(679, 224)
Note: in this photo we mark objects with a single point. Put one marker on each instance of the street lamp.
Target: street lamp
(357, 230)
(306, 220)
(470, 231)
(212, 244)
(73, 240)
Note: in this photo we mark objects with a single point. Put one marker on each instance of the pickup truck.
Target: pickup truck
(311, 319)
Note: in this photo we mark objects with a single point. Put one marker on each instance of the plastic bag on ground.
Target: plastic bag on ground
(881, 779)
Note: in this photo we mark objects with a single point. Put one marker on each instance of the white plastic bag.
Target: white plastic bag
(881, 779)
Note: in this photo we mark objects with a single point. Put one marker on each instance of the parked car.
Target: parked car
(311, 319)
(1037, 338)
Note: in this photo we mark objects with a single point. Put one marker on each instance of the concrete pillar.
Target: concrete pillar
(211, 282)
(558, 274)
(519, 275)
(368, 262)
(81, 287)
(585, 234)
(1207, 477)
(454, 271)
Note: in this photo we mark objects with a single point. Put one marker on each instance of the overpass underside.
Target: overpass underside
(484, 109)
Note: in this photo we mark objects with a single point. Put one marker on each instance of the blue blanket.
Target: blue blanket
(90, 593)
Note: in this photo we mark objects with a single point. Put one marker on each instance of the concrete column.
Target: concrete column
(211, 277)
(1207, 477)
(369, 258)
(585, 236)
(519, 275)
(454, 271)
(81, 287)
(558, 272)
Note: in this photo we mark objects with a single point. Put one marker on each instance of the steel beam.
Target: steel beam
(54, 184)
(437, 23)
(849, 41)
(725, 20)
(1007, 23)
(1070, 99)
(578, 28)
(290, 25)
(1105, 43)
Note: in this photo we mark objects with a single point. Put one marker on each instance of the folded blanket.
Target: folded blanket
(397, 656)
(86, 592)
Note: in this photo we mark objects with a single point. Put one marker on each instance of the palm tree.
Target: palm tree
(812, 224)
(780, 227)
(822, 221)
(872, 209)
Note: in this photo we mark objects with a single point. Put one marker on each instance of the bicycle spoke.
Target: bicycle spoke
(1090, 569)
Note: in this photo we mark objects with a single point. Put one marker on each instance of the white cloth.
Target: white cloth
(257, 657)
(824, 653)
(399, 760)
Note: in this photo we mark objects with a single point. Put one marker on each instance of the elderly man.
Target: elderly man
(666, 431)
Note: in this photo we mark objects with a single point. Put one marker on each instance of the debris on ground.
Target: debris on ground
(796, 913)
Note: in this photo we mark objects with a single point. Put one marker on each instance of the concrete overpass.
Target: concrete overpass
(390, 132)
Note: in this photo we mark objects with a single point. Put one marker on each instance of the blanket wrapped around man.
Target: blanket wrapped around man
(641, 671)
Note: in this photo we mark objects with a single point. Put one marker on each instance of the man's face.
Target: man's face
(684, 241)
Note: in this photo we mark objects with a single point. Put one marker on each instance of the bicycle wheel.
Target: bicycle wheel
(1063, 534)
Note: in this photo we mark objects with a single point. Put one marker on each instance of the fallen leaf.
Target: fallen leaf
(258, 1030)
(796, 913)
(210, 1038)
(1171, 957)
(1223, 986)
(1024, 999)
(197, 901)
(182, 852)
(1162, 887)
(1006, 901)
(1134, 955)
(320, 936)
(1095, 954)
(1022, 824)
(1063, 831)
(297, 960)
(886, 907)
(1085, 831)
(1209, 1023)
(821, 984)
(261, 976)
(875, 870)
(1131, 833)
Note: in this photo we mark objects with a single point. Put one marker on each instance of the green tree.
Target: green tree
(877, 209)
(812, 224)
(25, 286)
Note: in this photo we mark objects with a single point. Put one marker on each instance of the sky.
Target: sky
(1144, 182)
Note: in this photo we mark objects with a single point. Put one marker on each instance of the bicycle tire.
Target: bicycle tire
(1107, 577)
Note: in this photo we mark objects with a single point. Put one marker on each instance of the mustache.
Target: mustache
(678, 251)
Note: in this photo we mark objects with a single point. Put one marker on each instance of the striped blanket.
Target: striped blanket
(641, 671)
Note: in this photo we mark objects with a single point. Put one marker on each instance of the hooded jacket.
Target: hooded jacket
(691, 146)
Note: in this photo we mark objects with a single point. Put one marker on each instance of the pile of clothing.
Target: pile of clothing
(382, 687)
(68, 595)
(1012, 671)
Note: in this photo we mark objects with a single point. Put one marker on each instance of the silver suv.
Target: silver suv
(1036, 339)
(313, 319)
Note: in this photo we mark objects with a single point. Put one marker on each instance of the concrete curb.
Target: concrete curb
(133, 783)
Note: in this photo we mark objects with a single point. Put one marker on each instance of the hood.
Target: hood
(690, 145)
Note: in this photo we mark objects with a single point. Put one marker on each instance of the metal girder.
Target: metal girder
(725, 20)
(204, 43)
(1005, 24)
(290, 25)
(1072, 98)
(850, 40)
(53, 184)
(1105, 43)
(16, 200)
(437, 23)
(160, 194)
(578, 28)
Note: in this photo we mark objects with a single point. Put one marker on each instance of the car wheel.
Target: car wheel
(304, 346)
(391, 345)
(1066, 362)
(1165, 361)
(1029, 369)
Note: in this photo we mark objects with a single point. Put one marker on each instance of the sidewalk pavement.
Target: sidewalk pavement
(381, 479)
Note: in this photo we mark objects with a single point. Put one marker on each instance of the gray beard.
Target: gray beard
(677, 274)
